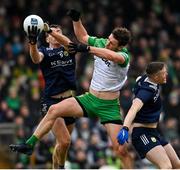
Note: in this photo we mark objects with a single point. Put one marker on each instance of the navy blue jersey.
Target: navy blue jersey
(58, 68)
(149, 93)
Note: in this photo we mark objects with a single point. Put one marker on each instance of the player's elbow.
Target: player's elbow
(35, 61)
(83, 39)
(119, 59)
(115, 59)
(111, 55)
(80, 39)
(36, 58)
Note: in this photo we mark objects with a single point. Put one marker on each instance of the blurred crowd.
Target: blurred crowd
(155, 26)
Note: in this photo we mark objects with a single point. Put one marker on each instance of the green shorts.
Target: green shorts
(108, 111)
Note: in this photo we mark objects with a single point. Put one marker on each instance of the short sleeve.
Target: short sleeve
(97, 42)
(41, 49)
(126, 57)
(91, 40)
(144, 95)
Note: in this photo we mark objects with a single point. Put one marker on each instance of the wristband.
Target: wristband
(126, 128)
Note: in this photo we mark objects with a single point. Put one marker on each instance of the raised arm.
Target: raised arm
(100, 52)
(62, 39)
(36, 56)
(79, 29)
(107, 54)
(32, 35)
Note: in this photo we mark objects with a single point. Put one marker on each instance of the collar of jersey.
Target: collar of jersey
(147, 80)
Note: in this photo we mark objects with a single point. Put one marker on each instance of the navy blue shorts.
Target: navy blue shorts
(47, 102)
(144, 139)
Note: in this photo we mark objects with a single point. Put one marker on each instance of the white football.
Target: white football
(33, 20)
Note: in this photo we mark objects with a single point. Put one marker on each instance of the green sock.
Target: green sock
(32, 141)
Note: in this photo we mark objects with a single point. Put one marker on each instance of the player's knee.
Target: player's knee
(166, 165)
(177, 164)
(119, 150)
(169, 166)
(65, 142)
(52, 110)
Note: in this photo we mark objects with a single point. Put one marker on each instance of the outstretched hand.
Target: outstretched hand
(122, 136)
(74, 48)
(33, 33)
(75, 15)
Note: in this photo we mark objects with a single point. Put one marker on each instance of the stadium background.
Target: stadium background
(155, 25)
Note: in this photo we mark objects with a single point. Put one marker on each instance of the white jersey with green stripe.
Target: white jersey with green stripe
(108, 75)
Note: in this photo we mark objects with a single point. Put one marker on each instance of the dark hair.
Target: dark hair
(154, 67)
(122, 35)
(53, 26)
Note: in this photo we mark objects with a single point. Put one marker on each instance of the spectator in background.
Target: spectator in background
(13, 100)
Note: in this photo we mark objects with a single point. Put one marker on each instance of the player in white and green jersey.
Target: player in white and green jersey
(108, 77)
(110, 73)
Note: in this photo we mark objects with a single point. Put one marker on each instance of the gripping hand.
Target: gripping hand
(33, 33)
(122, 136)
(47, 28)
(74, 48)
(75, 15)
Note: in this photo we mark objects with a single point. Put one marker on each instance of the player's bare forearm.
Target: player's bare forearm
(107, 54)
(62, 39)
(36, 56)
(129, 118)
(136, 106)
(80, 32)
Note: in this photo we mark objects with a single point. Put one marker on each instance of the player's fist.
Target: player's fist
(47, 28)
(122, 136)
(75, 15)
(33, 33)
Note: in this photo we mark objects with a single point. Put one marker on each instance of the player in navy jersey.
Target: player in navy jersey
(144, 116)
(111, 65)
(58, 69)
